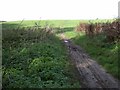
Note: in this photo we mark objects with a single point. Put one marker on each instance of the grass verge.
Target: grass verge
(104, 53)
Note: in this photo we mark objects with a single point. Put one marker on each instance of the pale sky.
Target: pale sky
(58, 9)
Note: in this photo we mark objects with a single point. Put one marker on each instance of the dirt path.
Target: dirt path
(92, 75)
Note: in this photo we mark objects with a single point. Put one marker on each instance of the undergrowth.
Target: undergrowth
(35, 58)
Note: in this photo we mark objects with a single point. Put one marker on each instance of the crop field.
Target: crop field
(34, 55)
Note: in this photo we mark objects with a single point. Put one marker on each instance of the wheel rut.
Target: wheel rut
(92, 75)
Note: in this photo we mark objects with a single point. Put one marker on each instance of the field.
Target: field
(34, 55)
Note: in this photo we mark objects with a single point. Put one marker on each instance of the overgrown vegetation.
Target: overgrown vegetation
(34, 57)
(101, 41)
(109, 29)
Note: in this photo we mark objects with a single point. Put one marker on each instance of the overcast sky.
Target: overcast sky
(58, 9)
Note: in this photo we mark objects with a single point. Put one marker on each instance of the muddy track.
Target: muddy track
(92, 75)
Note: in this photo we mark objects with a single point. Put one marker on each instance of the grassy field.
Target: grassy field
(42, 23)
(33, 57)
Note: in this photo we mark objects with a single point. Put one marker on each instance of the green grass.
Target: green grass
(35, 59)
(42, 23)
(54, 23)
(104, 53)
(70, 34)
